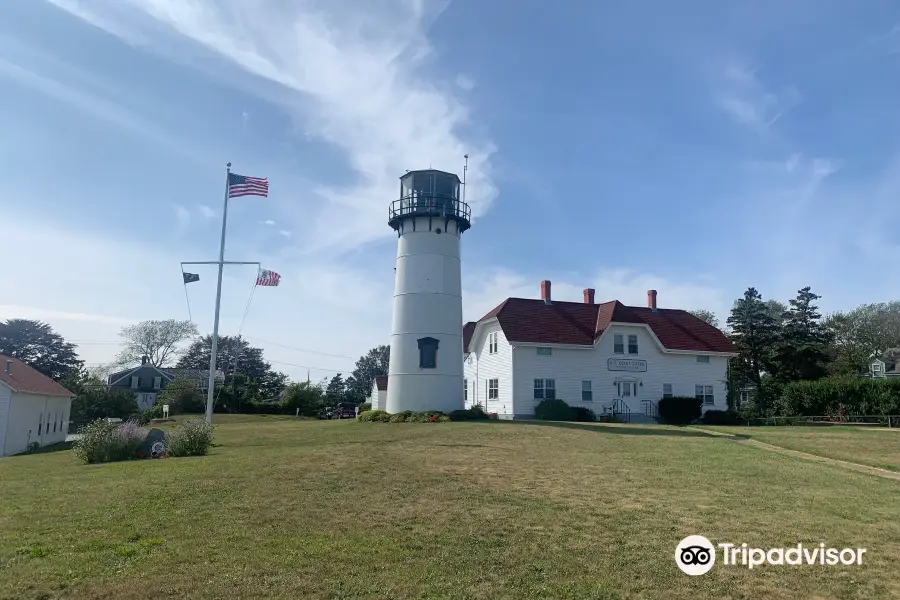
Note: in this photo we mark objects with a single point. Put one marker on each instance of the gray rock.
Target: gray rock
(154, 445)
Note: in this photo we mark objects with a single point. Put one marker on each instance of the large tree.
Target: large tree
(802, 352)
(336, 390)
(706, 315)
(866, 332)
(754, 331)
(373, 364)
(157, 340)
(303, 396)
(37, 345)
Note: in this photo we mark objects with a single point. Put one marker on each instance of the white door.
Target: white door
(628, 393)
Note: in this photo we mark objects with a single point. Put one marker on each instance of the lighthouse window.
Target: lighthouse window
(428, 348)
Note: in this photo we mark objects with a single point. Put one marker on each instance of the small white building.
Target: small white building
(33, 408)
(378, 396)
(608, 357)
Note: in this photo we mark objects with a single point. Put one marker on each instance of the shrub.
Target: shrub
(469, 414)
(189, 438)
(722, 417)
(400, 417)
(477, 412)
(680, 410)
(554, 410)
(365, 406)
(381, 416)
(581, 413)
(834, 396)
(102, 441)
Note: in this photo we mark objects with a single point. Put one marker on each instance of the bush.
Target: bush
(189, 438)
(583, 414)
(722, 417)
(365, 406)
(375, 416)
(834, 396)
(400, 417)
(554, 410)
(680, 410)
(102, 441)
(100, 403)
(469, 414)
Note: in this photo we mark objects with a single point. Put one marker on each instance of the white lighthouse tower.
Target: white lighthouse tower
(426, 366)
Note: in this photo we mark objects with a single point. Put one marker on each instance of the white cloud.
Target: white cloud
(354, 76)
(206, 212)
(465, 82)
(93, 104)
(284, 232)
(740, 94)
(269, 222)
(182, 217)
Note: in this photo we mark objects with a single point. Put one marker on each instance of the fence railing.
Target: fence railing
(890, 421)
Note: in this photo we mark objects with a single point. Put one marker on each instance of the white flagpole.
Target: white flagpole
(211, 392)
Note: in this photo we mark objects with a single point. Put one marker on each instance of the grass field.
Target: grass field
(338, 509)
(873, 446)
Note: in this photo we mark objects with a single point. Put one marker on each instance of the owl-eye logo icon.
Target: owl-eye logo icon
(695, 555)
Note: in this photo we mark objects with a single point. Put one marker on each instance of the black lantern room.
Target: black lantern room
(430, 193)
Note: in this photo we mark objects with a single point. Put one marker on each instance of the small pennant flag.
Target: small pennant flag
(190, 277)
(268, 278)
(241, 185)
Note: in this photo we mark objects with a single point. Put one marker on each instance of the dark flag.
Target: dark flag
(190, 277)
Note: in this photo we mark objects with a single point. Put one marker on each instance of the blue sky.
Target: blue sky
(697, 149)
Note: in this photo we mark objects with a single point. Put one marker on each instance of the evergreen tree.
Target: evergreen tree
(803, 352)
(336, 390)
(754, 331)
(38, 346)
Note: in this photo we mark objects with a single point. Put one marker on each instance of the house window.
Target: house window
(703, 358)
(586, 394)
(705, 393)
(54, 422)
(465, 389)
(667, 390)
(135, 382)
(40, 423)
(745, 397)
(492, 342)
(428, 348)
(618, 344)
(493, 388)
(545, 351)
(157, 383)
(544, 389)
(632, 344)
(876, 369)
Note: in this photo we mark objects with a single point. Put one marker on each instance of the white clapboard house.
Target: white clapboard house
(378, 395)
(34, 409)
(608, 357)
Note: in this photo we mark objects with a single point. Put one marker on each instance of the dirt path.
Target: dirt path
(805, 455)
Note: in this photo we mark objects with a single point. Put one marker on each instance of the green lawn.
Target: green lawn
(866, 445)
(293, 509)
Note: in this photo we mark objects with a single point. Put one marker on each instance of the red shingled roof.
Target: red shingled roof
(23, 378)
(381, 382)
(534, 321)
(468, 330)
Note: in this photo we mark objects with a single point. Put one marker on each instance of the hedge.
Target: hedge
(680, 410)
(835, 395)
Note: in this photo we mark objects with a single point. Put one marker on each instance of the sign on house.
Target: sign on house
(634, 365)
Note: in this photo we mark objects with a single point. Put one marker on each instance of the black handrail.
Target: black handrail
(652, 409)
(431, 205)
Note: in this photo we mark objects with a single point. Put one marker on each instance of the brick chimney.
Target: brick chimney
(589, 296)
(651, 300)
(145, 359)
(545, 291)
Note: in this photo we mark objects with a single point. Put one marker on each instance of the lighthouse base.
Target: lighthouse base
(426, 392)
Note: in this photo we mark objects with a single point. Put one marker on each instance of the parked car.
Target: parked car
(344, 410)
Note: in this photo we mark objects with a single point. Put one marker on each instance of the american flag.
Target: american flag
(241, 185)
(268, 278)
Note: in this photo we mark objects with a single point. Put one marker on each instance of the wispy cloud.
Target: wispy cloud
(465, 82)
(269, 222)
(323, 56)
(182, 217)
(94, 105)
(742, 96)
(285, 233)
(206, 212)
(11, 311)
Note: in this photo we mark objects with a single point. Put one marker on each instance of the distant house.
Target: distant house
(33, 408)
(888, 365)
(147, 381)
(378, 396)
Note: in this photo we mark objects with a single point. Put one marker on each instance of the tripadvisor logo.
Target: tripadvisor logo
(696, 555)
